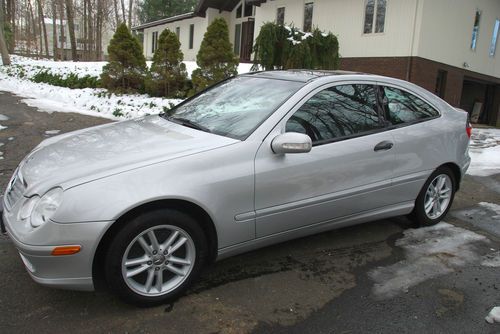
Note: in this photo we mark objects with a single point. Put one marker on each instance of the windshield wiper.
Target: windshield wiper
(186, 122)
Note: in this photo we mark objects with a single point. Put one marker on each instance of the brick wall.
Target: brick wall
(424, 72)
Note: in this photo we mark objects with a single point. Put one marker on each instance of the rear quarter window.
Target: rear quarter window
(404, 107)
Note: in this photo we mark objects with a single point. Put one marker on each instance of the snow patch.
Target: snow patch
(2, 127)
(494, 315)
(491, 260)
(430, 252)
(52, 132)
(484, 151)
(3, 117)
(10, 138)
(492, 207)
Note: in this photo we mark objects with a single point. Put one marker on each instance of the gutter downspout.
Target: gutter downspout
(410, 58)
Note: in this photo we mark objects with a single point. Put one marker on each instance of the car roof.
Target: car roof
(300, 75)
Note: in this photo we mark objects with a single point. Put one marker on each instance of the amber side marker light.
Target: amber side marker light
(66, 250)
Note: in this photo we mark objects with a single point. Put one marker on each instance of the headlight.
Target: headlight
(27, 207)
(46, 207)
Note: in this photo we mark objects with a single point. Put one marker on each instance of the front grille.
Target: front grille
(15, 190)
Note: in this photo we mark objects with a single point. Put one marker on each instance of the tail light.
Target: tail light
(468, 129)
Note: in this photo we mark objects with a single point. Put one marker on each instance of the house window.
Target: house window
(374, 16)
(308, 16)
(178, 32)
(238, 11)
(248, 10)
(280, 16)
(494, 38)
(475, 30)
(237, 39)
(191, 35)
(154, 41)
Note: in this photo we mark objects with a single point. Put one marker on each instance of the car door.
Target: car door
(419, 139)
(348, 170)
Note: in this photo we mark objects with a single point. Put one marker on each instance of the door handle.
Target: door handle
(383, 146)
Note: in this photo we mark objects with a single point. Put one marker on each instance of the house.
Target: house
(448, 47)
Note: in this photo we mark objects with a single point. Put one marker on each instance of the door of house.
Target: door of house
(246, 40)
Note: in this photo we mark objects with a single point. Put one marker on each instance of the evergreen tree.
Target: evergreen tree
(126, 69)
(216, 59)
(283, 47)
(168, 74)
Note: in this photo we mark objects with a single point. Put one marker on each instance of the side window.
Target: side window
(404, 107)
(337, 112)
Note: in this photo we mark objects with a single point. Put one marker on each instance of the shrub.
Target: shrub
(216, 59)
(168, 74)
(72, 80)
(126, 69)
(283, 47)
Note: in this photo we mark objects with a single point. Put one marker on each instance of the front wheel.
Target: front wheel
(435, 198)
(155, 257)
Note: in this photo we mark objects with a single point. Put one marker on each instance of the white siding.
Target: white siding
(345, 19)
(446, 34)
(200, 26)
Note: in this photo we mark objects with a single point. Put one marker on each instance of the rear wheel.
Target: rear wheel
(435, 198)
(155, 257)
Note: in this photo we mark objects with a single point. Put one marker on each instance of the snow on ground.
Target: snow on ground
(3, 117)
(494, 315)
(484, 151)
(94, 102)
(430, 252)
(2, 127)
(52, 132)
(491, 260)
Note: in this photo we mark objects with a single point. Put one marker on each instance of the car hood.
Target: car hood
(97, 152)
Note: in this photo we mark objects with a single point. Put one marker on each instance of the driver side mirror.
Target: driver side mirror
(291, 142)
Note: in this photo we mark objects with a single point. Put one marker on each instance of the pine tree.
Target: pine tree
(168, 74)
(126, 69)
(216, 59)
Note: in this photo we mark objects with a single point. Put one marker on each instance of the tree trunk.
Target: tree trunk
(90, 30)
(85, 31)
(61, 27)
(71, 26)
(10, 18)
(123, 11)
(117, 17)
(98, 34)
(33, 26)
(130, 5)
(54, 29)
(44, 28)
(3, 45)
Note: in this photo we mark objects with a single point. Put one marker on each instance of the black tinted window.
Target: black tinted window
(337, 112)
(404, 107)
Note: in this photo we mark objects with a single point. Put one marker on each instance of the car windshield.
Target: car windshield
(236, 107)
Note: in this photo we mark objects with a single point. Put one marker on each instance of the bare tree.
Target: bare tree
(123, 11)
(130, 6)
(54, 29)
(61, 27)
(43, 28)
(117, 17)
(3, 45)
(71, 27)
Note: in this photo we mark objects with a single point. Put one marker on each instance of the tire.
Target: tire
(441, 201)
(159, 272)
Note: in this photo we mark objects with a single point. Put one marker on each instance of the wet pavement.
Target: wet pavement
(327, 283)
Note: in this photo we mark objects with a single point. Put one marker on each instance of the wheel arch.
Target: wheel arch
(187, 207)
(457, 174)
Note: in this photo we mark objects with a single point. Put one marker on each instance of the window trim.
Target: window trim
(312, 16)
(382, 120)
(385, 112)
(277, 14)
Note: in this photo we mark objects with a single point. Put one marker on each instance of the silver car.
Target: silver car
(258, 159)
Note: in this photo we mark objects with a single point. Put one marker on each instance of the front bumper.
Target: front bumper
(72, 272)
